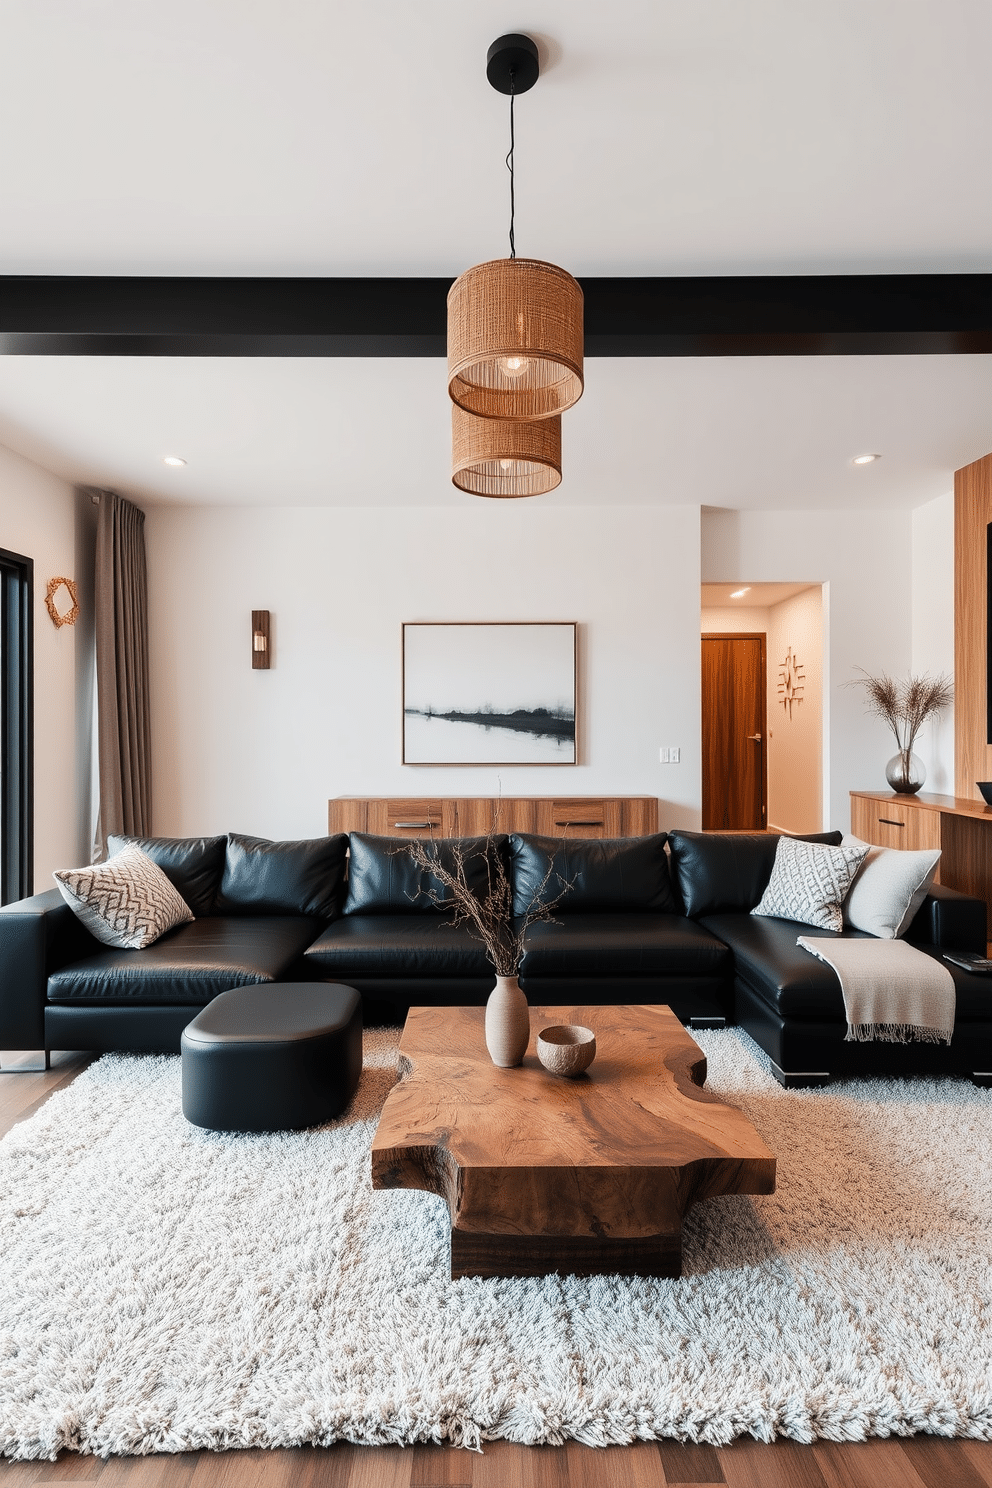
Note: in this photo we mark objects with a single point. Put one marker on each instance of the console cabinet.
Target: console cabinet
(959, 826)
(473, 816)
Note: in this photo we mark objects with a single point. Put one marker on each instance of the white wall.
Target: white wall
(44, 518)
(261, 752)
(865, 560)
(795, 736)
(735, 618)
(933, 630)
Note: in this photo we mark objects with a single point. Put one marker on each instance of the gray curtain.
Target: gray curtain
(124, 725)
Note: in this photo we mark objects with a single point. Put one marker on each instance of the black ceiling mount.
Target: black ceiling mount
(512, 64)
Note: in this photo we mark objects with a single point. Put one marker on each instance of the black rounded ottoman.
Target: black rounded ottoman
(273, 1057)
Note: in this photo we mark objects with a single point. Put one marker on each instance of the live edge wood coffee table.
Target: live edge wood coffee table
(544, 1174)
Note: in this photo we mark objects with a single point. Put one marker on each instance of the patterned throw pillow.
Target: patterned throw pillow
(126, 902)
(809, 881)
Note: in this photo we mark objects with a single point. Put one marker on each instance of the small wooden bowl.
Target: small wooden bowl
(567, 1049)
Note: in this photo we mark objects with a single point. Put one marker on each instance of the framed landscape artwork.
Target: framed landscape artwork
(489, 694)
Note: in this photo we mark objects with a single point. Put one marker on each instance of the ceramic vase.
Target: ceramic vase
(905, 772)
(507, 1023)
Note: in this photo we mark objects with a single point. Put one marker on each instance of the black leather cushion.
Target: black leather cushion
(717, 871)
(803, 988)
(283, 878)
(193, 865)
(766, 956)
(611, 875)
(190, 964)
(367, 945)
(951, 920)
(383, 879)
(623, 945)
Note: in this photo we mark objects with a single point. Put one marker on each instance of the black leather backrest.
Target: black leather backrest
(283, 878)
(716, 872)
(384, 879)
(604, 874)
(193, 865)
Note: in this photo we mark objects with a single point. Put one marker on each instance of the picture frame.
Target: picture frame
(489, 692)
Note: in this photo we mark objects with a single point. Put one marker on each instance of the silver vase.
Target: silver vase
(507, 1023)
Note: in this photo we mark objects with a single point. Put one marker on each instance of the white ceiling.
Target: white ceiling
(774, 433)
(758, 596)
(665, 136)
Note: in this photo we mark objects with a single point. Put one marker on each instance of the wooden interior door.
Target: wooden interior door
(733, 695)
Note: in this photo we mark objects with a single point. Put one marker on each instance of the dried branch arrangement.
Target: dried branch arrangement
(905, 705)
(489, 919)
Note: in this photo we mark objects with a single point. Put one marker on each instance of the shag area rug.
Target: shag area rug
(165, 1289)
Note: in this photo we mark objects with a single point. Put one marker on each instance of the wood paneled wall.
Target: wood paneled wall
(972, 514)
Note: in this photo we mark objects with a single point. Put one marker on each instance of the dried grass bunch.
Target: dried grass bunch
(489, 919)
(905, 705)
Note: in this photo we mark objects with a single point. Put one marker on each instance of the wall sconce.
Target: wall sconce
(260, 640)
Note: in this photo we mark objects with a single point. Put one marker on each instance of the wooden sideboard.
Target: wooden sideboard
(959, 826)
(473, 816)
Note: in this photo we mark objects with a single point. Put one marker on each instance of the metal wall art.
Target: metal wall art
(791, 677)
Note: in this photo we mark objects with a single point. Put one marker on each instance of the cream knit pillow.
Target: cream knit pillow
(126, 902)
(890, 887)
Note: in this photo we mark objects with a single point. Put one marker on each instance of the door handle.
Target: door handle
(755, 736)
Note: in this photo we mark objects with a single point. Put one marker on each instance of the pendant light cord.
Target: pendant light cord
(509, 166)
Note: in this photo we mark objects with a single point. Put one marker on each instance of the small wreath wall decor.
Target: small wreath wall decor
(70, 616)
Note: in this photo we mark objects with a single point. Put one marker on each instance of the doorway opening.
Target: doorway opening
(762, 706)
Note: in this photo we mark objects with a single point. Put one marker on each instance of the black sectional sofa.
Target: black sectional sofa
(658, 919)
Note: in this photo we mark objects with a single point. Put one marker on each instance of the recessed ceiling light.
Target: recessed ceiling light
(865, 459)
(173, 460)
(740, 593)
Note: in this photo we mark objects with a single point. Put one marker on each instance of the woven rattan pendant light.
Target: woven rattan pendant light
(504, 457)
(514, 324)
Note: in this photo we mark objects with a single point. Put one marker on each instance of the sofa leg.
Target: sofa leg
(982, 1078)
(700, 1022)
(26, 1069)
(800, 1079)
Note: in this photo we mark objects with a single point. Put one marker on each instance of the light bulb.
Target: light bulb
(514, 366)
(506, 464)
(173, 460)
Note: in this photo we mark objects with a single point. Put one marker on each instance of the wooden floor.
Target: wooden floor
(916, 1462)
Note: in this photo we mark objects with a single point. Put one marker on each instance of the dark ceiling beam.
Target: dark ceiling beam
(815, 315)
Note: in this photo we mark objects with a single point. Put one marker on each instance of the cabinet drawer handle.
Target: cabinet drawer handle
(887, 821)
(573, 822)
(415, 824)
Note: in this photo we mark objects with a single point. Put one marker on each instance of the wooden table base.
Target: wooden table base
(569, 1255)
(543, 1174)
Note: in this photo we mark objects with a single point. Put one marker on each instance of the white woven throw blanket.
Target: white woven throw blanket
(891, 990)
